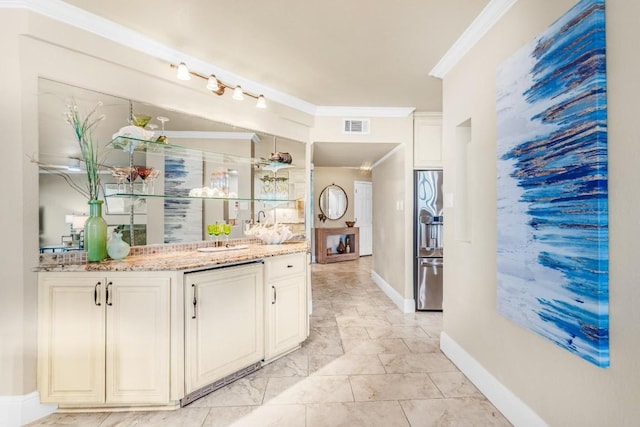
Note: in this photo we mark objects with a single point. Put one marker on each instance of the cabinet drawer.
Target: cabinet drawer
(285, 265)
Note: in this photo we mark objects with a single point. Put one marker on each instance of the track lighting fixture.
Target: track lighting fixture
(217, 86)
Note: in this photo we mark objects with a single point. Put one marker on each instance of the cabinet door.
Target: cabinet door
(286, 314)
(427, 148)
(224, 323)
(71, 339)
(137, 364)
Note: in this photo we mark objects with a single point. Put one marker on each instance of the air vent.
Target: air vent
(355, 126)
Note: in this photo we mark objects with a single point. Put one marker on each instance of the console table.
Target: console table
(324, 256)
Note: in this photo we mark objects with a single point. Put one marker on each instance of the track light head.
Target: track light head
(238, 95)
(212, 83)
(183, 72)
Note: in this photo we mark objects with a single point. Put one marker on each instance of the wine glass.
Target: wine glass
(140, 120)
(162, 138)
(131, 177)
(143, 172)
(214, 230)
(150, 179)
(120, 174)
(210, 229)
(226, 229)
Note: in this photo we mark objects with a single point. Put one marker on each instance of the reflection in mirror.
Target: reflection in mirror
(333, 202)
(157, 219)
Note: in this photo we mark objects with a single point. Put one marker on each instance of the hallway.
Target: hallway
(364, 364)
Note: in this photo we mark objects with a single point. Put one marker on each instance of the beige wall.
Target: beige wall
(17, 329)
(560, 387)
(382, 130)
(344, 177)
(34, 46)
(390, 225)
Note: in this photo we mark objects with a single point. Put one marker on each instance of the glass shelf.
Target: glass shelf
(186, 197)
(129, 145)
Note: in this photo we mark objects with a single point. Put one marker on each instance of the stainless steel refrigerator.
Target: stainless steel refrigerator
(428, 224)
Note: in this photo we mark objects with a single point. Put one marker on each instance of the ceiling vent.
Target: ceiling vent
(355, 126)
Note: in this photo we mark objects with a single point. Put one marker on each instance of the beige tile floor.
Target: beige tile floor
(364, 364)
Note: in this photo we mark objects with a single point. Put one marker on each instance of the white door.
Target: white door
(362, 212)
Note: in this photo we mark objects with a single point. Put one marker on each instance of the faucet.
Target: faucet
(263, 214)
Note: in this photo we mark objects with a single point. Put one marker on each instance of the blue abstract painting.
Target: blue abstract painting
(552, 213)
(182, 216)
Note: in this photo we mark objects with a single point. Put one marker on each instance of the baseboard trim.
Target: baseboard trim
(404, 304)
(514, 409)
(16, 411)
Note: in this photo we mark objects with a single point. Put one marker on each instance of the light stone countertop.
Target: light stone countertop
(190, 259)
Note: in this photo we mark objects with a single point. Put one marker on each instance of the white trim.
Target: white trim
(401, 112)
(386, 156)
(514, 409)
(489, 16)
(79, 18)
(428, 115)
(16, 411)
(406, 305)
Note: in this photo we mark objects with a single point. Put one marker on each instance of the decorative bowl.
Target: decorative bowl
(350, 223)
(270, 234)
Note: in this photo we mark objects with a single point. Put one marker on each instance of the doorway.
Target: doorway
(362, 213)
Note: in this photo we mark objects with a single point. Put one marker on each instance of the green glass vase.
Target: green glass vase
(95, 233)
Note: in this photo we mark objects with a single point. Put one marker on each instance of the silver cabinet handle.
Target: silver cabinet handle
(195, 300)
(275, 295)
(96, 294)
(109, 302)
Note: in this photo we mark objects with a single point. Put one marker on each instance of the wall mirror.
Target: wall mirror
(159, 219)
(333, 202)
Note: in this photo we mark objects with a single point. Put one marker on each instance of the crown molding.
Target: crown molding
(79, 18)
(400, 112)
(489, 16)
(386, 156)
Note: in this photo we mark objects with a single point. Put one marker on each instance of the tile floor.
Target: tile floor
(364, 364)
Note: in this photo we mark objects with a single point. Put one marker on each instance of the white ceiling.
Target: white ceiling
(328, 53)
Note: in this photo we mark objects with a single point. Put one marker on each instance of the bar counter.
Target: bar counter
(176, 257)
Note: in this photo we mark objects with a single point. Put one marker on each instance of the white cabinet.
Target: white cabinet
(427, 140)
(103, 340)
(110, 340)
(223, 323)
(285, 303)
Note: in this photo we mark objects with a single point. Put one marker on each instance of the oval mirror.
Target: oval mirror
(333, 202)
